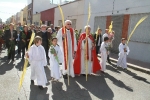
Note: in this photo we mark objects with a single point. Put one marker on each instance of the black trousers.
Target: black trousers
(21, 48)
(26, 46)
(11, 53)
(46, 50)
(108, 59)
(97, 49)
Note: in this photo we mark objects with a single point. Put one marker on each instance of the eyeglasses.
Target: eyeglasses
(68, 24)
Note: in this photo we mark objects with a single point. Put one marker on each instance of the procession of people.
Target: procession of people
(60, 47)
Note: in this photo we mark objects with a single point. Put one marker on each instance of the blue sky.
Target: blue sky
(11, 7)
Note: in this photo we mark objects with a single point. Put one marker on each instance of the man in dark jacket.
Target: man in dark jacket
(10, 38)
(23, 39)
(45, 38)
(28, 34)
(52, 27)
(98, 39)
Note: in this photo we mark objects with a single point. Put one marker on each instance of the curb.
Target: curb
(135, 67)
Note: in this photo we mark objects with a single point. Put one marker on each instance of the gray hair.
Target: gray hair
(49, 29)
(87, 27)
(68, 21)
(43, 25)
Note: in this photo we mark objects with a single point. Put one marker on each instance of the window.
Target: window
(37, 23)
(48, 23)
(43, 22)
(29, 13)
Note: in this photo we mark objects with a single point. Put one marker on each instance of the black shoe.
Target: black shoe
(41, 87)
(116, 66)
(102, 72)
(22, 57)
(32, 82)
(83, 75)
(65, 77)
(45, 66)
(109, 62)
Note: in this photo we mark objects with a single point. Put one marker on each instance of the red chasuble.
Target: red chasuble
(77, 62)
(66, 51)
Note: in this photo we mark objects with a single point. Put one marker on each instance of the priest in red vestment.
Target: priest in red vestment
(82, 55)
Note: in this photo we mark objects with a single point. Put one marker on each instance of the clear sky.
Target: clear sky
(11, 7)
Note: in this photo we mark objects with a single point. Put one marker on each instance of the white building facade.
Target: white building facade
(36, 19)
(73, 11)
(41, 5)
(124, 14)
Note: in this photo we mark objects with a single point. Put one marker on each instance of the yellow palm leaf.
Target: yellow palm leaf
(26, 62)
(110, 27)
(138, 23)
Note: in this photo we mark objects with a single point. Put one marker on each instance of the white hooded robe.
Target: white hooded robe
(54, 64)
(122, 60)
(37, 59)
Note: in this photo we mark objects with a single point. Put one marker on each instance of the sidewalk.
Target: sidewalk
(134, 64)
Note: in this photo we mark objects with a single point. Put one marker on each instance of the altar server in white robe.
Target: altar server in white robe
(67, 35)
(104, 54)
(37, 59)
(55, 60)
(123, 52)
(107, 34)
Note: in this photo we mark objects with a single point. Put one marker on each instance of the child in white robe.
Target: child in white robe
(55, 59)
(123, 52)
(37, 59)
(104, 53)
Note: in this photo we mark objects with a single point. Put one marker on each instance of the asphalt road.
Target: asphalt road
(116, 84)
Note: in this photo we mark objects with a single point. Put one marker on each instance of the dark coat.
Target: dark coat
(23, 38)
(7, 36)
(98, 39)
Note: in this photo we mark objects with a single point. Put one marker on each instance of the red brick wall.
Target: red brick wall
(48, 15)
(108, 21)
(125, 26)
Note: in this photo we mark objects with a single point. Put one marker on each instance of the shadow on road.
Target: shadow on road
(20, 65)
(5, 65)
(112, 68)
(47, 71)
(134, 75)
(118, 82)
(37, 94)
(73, 92)
(97, 86)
